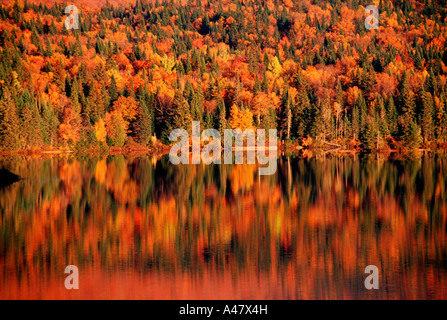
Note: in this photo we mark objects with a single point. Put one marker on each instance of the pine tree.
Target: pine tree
(363, 112)
(427, 121)
(441, 118)
(29, 119)
(265, 83)
(410, 133)
(36, 40)
(9, 123)
(74, 97)
(105, 97)
(339, 96)
(381, 118)
(369, 135)
(50, 122)
(220, 117)
(302, 115)
(49, 49)
(406, 99)
(96, 105)
(285, 115)
(113, 90)
(119, 136)
(182, 117)
(355, 123)
(144, 129)
(392, 115)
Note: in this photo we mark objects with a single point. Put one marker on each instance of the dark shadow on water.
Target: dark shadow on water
(7, 178)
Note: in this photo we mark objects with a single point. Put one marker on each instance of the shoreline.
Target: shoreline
(161, 150)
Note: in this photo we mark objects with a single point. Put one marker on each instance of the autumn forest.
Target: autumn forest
(85, 118)
(132, 72)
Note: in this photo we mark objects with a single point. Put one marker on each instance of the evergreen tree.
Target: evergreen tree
(369, 135)
(406, 99)
(220, 117)
(30, 118)
(285, 115)
(119, 137)
(392, 115)
(50, 122)
(182, 117)
(49, 49)
(144, 129)
(355, 123)
(427, 120)
(113, 90)
(441, 118)
(9, 123)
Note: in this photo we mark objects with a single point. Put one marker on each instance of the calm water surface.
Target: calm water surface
(141, 228)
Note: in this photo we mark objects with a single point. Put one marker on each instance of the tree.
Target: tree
(285, 115)
(369, 135)
(392, 115)
(128, 108)
(69, 129)
(96, 104)
(427, 120)
(100, 130)
(182, 117)
(406, 100)
(28, 133)
(50, 123)
(113, 90)
(144, 127)
(241, 119)
(9, 123)
(441, 117)
(302, 115)
(355, 122)
(220, 117)
(48, 49)
(115, 127)
(275, 67)
(410, 133)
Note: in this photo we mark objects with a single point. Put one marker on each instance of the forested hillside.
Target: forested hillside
(308, 68)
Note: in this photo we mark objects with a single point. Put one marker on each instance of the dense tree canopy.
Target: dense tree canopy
(308, 68)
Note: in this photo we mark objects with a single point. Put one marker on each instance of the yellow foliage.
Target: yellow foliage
(275, 66)
(128, 108)
(100, 130)
(168, 64)
(240, 119)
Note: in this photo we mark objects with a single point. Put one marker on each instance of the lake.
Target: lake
(142, 228)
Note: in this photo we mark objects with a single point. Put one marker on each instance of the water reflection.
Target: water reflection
(143, 228)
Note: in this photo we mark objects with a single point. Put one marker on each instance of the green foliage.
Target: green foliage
(9, 124)
(118, 128)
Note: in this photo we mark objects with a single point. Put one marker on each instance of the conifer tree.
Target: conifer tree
(113, 90)
(392, 115)
(406, 99)
(144, 129)
(285, 116)
(369, 135)
(9, 123)
(30, 119)
(427, 119)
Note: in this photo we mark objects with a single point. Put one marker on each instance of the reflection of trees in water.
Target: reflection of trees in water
(325, 219)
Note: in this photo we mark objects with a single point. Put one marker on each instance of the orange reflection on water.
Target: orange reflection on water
(142, 231)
